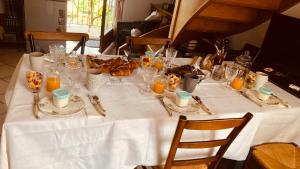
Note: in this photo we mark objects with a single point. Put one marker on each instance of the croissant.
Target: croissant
(121, 72)
(105, 68)
(133, 64)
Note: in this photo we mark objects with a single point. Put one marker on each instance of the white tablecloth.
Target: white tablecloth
(137, 129)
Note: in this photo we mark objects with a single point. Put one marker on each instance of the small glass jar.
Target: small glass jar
(172, 82)
(218, 72)
(146, 61)
(244, 61)
(249, 80)
(158, 63)
(60, 97)
(182, 98)
(264, 93)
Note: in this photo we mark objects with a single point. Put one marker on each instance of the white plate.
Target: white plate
(271, 101)
(76, 104)
(192, 107)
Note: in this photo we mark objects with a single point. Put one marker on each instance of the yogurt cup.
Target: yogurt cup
(182, 98)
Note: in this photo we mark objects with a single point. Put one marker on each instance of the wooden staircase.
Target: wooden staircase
(194, 18)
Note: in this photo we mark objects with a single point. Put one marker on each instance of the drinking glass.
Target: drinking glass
(148, 74)
(230, 73)
(170, 56)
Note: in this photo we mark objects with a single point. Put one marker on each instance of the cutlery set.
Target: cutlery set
(95, 101)
(196, 98)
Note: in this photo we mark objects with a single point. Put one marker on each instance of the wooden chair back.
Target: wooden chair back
(137, 44)
(220, 124)
(31, 36)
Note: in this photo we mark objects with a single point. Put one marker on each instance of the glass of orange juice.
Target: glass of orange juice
(53, 81)
(159, 85)
(237, 83)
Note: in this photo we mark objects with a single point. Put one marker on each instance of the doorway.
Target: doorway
(88, 16)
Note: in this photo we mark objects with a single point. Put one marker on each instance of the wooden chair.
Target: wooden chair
(211, 162)
(273, 156)
(57, 36)
(138, 45)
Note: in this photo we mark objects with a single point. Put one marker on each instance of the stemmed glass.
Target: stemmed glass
(170, 56)
(148, 73)
(230, 72)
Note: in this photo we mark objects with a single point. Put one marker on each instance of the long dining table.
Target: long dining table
(136, 129)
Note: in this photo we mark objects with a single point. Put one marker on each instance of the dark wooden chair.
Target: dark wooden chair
(136, 46)
(57, 36)
(273, 156)
(210, 162)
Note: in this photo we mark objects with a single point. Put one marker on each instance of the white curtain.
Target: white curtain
(118, 11)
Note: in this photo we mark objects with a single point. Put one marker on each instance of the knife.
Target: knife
(96, 105)
(253, 100)
(163, 103)
(203, 106)
(35, 109)
(281, 101)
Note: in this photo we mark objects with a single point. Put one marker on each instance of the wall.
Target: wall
(256, 36)
(2, 10)
(41, 15)
(137, 10)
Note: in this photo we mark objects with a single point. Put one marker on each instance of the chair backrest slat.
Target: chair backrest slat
(213, 125)
(218, 124)
(203, 144)
(57, 36)
(31, 36)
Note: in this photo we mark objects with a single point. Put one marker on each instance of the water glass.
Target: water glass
(148, 73)
(170, 56)
(230, 73)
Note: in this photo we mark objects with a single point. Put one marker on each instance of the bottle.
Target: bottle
(220, 56)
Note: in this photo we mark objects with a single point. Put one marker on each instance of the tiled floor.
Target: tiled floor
(9, 58)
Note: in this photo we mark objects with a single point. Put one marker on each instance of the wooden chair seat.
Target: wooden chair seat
(200, 166)
(276, 156)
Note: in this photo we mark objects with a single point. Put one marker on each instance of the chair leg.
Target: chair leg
(245, 166)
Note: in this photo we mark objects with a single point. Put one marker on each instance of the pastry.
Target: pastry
(114, 66)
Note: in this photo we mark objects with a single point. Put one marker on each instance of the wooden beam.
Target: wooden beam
(212, 26)
(102, 30)
(230, 13)
(271, 5)
(286, 4)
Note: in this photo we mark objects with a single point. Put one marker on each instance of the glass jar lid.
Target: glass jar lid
(244, 59)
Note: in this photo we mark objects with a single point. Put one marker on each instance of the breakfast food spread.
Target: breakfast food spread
(115, 66)
(181, 70)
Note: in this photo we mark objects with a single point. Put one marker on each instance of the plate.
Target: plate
(254, 95)
(192, 107)
(76, 104)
